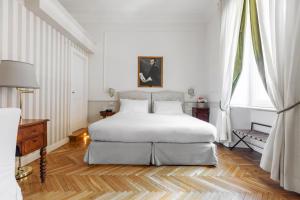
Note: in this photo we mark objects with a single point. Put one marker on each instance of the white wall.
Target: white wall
(213, 58)
(183, 65)
(115, 62)
(242, 117)
(264, 117)
(190, 52)
(186, 49)
(25, 37)
(215, 70)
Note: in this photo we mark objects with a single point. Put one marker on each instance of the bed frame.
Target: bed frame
(151, 153)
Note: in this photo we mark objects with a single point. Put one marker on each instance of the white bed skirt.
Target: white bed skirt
(184, 154)
(118, 153)
(151, 153)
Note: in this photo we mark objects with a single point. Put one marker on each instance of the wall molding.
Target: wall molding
(103, 101)
(57, 16)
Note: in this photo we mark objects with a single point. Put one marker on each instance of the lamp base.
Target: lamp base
(23, 172)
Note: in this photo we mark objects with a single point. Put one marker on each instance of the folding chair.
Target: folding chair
(241, 134)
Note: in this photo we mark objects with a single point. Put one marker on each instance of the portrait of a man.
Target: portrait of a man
(150, 71)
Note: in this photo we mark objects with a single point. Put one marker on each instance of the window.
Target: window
(250, 91)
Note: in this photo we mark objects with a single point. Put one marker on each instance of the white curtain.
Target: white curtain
(230, 26)
(279, 22)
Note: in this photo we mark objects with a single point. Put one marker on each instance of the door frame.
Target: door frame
(75, 52)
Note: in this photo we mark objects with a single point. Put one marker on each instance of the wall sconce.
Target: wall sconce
(191, 92)
(111, 92)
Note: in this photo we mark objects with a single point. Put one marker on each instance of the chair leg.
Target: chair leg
(241, 139)
(247, 145)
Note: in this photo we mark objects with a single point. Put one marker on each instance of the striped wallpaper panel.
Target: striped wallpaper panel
(25, 37)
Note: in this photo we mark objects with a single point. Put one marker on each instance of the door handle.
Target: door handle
(73, 91)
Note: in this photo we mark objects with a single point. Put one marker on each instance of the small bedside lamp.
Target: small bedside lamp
(19, 75)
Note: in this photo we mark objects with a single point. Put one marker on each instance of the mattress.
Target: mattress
(145, 127)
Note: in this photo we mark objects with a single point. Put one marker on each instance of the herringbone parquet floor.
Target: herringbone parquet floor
(237, 176)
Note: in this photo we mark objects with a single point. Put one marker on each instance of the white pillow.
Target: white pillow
(167, 107)
(133, 106)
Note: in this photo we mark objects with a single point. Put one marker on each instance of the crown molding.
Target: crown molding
(56, 15)
(141, 19)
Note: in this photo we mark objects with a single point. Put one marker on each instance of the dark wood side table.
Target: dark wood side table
(105, 114)
(32, 135)
(201, 113)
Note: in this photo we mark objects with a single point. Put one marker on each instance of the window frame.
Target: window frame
(255, 85)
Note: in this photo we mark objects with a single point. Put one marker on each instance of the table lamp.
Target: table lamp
(19, 75)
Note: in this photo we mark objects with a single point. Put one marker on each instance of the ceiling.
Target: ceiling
(142, 10)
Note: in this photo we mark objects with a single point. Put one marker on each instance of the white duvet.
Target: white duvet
(140, 127)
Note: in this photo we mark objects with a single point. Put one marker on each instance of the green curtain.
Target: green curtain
(238, 65)
(256, 40)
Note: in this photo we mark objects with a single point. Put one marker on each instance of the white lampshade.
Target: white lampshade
(17, 75)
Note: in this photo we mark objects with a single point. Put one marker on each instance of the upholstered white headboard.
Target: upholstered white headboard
(137, 95)
(151, 97)
(168, 96)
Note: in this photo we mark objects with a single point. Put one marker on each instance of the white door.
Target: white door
(78, 106)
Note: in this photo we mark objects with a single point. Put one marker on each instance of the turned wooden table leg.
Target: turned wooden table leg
(43, 161)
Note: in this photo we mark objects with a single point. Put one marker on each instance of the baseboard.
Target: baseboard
(36, 155)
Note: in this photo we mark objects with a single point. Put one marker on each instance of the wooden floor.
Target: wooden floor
(237, 176)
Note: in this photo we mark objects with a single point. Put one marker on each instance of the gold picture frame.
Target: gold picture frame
(150, 71)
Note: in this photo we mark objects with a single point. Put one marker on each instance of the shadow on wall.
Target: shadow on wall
(94, 108)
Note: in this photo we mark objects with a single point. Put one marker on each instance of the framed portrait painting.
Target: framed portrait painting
(150, 71)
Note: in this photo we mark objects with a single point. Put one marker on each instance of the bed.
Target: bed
(151, 139)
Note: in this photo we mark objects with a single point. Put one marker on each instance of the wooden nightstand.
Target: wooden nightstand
(32, 136)
(105, 114)
(201, 113)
